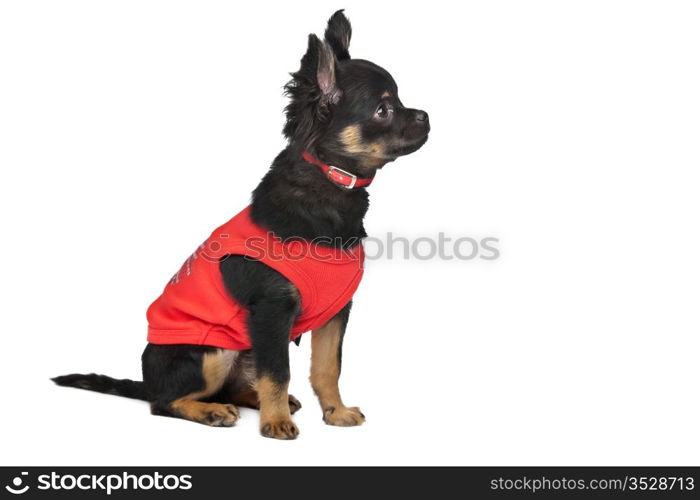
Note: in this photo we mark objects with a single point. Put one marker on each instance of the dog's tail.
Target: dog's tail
(102, 383)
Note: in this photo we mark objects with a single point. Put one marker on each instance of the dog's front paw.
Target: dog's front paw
(343, 416)
(279, 429)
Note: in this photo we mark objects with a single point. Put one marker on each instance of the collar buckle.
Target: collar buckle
(338, 176)
(341, 177)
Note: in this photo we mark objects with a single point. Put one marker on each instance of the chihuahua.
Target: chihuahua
(219, 335)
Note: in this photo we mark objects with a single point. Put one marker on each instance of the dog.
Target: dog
(219, 334)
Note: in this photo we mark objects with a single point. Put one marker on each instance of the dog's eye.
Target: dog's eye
(384, 111)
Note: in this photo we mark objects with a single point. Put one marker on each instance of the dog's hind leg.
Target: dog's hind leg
(190, 376)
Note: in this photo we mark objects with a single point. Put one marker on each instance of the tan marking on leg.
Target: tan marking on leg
(325, 372)
(249, 399)
(275, 416)
(325, 369)
(215, 369)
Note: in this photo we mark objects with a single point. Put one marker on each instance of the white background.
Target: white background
(568, 130)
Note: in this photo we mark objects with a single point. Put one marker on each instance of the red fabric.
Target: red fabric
(195, 307)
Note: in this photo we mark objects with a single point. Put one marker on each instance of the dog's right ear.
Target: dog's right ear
(338, 35)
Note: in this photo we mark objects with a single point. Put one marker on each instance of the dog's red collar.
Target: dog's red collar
(337, 175)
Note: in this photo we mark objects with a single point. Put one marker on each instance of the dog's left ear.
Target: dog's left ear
(338, 35)
(325, 75)
(312, 91)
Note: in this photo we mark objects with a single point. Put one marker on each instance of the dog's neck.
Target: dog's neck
(361, 166)
(295, 199)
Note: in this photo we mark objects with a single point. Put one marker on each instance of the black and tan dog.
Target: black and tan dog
(343, 112)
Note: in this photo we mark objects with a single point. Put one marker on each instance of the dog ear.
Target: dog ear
(325, 75)
(311, 91)
(338, 35)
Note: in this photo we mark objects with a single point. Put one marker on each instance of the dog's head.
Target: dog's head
(343, 108)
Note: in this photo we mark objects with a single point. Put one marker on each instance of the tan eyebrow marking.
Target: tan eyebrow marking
(386, 94)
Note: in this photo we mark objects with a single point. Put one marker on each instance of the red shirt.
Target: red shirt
(196, 308)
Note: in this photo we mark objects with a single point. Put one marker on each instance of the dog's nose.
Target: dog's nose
(422, 120)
